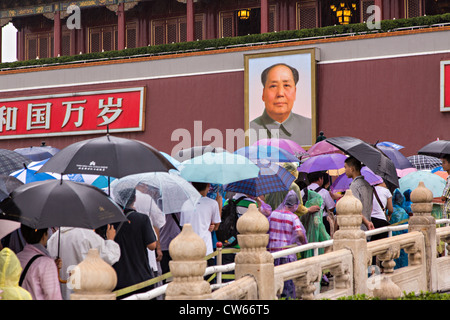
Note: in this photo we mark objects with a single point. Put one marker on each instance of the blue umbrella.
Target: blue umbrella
(390, 144)
(324, 162)
(98, 181)
(28, 173)
(399, 160)
(171, 159)
(218, 168)
(432, 181)
(37, 153)
(271, 178)
(270, 153)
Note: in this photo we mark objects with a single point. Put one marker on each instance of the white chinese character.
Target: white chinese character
(38, 116)
(69, 110)
(8, 118)
(109, 108)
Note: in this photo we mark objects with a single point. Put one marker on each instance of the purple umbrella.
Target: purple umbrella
(342, 183)
(323, 147)
(323, 162)
(286, 144)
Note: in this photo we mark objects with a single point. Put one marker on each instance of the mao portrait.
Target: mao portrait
(280, 97)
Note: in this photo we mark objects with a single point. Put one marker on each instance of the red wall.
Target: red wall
(392, 99)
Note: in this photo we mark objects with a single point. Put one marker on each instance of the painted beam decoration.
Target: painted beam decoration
(445, 85)
(122, 110)
(61, 6)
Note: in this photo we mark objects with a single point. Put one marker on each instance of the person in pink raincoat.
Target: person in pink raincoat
(41, 278)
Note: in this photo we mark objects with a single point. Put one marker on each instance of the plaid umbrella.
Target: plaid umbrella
(11, 161)
(271, 178)
(422, 162)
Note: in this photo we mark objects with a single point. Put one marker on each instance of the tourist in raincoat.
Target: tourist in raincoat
(399, 216)
(286, 230)
(10, 271)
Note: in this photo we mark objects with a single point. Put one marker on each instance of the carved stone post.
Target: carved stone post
(350, 236)
(254, 259)
(93, 279)
(188, 265)
(423, 221)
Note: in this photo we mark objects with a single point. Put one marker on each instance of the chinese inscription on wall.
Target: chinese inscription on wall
(73, 113)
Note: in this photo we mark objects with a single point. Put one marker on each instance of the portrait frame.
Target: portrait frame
(304, 60)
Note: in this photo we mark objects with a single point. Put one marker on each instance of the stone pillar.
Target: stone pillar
(188, 265)
(350, 236)
(93, 279)
(423, 221)
(254, 259)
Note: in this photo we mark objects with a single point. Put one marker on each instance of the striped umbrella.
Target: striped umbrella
(271, 178)
(29, 173)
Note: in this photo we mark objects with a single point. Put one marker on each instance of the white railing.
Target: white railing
(315, 246)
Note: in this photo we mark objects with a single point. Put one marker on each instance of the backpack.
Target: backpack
(305, 193)
(227, 232)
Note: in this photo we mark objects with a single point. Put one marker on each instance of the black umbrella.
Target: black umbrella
(11, 161)
(7, 185)
(196, 151)
(370, 156)
(108, 156)
(60, 203)
(438, 149)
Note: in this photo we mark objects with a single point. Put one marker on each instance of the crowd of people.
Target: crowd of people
(36, 264)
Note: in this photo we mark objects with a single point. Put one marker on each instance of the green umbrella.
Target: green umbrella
(432, 181)
(218, 168)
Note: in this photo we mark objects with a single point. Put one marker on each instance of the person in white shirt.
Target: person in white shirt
(316, 184)
(74, 245)
(204, 216)
(382, 200)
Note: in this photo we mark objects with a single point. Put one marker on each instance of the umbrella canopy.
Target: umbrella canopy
(107, 156)
(29, 173)
(171, 159)
(11, 161)
(168, 190)
(323, 162)
(399, 160)
(8, 226)
(195, 151)
(218, 168)
(322, 147)
(432, 181)
(423, 162)
(390, 144)
(285, 144)
(37, 153)
(7, 185)
(438, 149)
(269, 153)
(403, 172)
(271, 178)
(60, 203)
(342, 183)
(370, 156)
